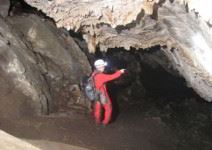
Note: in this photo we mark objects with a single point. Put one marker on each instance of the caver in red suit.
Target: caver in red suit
(100, 79)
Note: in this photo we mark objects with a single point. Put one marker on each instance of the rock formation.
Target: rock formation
(9, 142)
(181, 27)
(37, 61)
(20, 77)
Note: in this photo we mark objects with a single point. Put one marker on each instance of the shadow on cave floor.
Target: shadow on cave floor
(154, 110)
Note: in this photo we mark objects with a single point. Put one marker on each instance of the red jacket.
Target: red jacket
(101, 78)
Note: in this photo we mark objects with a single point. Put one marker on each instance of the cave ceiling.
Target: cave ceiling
(103, 20)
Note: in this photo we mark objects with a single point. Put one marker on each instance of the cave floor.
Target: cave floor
(129, 131)
(136, 127)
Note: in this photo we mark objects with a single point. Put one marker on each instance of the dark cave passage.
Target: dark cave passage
(148, 73)
(151, 88)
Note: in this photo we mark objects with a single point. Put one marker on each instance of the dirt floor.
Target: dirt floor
(129, 131)
(152, 124)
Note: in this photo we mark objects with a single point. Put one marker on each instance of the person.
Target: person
(105, 102)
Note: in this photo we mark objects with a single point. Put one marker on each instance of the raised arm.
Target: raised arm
(109, 77)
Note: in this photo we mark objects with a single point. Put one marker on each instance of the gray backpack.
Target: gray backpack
(90, 89)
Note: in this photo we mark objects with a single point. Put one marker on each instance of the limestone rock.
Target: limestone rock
(82, 13)
(9, 142)
(59, 58)
(36, 60)
(59, 55)
(89, 12)
(22, 85)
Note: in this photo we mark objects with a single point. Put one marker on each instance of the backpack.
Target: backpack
(90, 90)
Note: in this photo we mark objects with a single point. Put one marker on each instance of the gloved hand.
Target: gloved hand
(123, 70)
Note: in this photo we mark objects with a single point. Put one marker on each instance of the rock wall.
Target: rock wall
(36, 61)
(22, 84)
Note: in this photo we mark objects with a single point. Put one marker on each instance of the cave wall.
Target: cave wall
(37, 61)
(20, 77)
